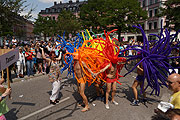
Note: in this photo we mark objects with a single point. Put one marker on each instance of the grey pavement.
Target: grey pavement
(32, 95)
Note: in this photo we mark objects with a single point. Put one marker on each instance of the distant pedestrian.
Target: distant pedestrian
(20, 64)
(30, 62)
(14, 41)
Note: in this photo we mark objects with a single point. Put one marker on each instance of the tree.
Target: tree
(91, 15)
(67, 22)
(9, 10)
(44, 25)
(171, 11)
(119, 14)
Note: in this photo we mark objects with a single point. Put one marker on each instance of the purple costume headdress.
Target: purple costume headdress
(155, 58)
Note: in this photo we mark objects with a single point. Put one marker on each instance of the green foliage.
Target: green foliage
(91, 15)
(171, 11)
(9, 11)
(110, 14)
(67, 22)
(44, 25)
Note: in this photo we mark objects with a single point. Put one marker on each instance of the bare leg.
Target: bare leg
(97, 89)
(113, 90)
(134, 87)
(82, 88)
(101, 91)
(108, 89)
(142, 86)
(78, 87)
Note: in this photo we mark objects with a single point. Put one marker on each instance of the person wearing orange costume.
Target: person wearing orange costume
(81, 79)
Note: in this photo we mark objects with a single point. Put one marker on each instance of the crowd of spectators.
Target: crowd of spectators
(31, 62)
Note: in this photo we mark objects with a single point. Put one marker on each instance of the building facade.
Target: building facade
(23, 29)
(153, 24)
(54, 11)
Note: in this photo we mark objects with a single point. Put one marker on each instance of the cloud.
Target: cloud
(52, 1)
(34, 15)
(47, 1)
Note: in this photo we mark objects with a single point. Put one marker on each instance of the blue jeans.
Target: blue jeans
(30, 64)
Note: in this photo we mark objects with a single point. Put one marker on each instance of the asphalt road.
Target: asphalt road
(30, 101)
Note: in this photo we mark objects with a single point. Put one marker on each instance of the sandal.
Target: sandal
(53, 102)
(57, 100)
(85, 109)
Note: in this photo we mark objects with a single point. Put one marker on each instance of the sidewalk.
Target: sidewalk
(36, 75)
(26, 77)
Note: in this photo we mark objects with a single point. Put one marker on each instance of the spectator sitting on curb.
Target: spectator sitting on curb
(3, 93)
(173, 81)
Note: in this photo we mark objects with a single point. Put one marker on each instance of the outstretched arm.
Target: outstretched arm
(59, 57)
(104, 69)
(84, 65)
(43, 55)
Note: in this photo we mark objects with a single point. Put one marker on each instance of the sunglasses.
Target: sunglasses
(169, 82)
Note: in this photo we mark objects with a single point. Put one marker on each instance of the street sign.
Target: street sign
(8, 57)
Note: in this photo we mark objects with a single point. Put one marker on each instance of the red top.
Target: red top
(29, 57)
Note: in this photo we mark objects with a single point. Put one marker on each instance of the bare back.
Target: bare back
(111, 73)
(140, 70)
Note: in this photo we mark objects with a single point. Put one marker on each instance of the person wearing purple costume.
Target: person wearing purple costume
(138, 81)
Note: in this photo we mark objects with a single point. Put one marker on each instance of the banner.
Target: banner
(8, 58)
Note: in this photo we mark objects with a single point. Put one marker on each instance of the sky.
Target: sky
(40, 5)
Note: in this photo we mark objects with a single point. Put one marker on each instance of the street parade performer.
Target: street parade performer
(154, 56)
(111, 51)
(54, 75)
(81, 79)
(95, 59)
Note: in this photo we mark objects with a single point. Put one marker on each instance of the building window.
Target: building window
(155, 1)
(143, 26)
(74, 8)
(144, 3)
(53, 10)
(54, 18)
(155, 12)
(150, 2)
(70, 8)
(64, 8)
(150, 13)
(150, 26)
(47, 10)
(59, 10)
(155, 25)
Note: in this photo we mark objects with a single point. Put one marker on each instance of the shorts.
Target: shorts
(34, 59)
(140, 78)
(39, 60)
(108, 80)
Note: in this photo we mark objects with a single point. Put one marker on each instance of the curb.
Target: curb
(26, 77)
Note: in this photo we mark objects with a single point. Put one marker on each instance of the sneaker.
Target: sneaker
(114, 102)
(144, 99)
(107, 106)
(135, 103)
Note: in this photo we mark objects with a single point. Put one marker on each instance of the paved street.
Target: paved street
(31, 102)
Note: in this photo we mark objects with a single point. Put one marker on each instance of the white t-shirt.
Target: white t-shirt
(14, 41)
(49, 48)
(130, 52)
